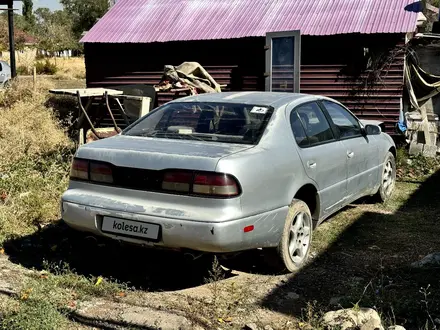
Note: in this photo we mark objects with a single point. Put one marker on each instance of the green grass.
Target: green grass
(30, 193)
(370, 244)
(363, 252)
(46, 299)
(35, 156)
(34, 314)
(61, 276)
(415, 168)
(330, 231)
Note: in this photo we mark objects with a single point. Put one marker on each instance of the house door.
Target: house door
(283, 60)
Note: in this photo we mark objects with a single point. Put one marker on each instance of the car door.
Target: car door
(322, 155)
(2, 74)
(362, 152)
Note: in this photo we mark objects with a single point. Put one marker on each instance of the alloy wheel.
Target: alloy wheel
(299, 239)
(388, 178)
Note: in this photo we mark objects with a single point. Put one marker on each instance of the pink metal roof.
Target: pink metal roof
(143, 21)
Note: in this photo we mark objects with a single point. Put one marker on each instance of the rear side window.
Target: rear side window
(205, 121)
(298, 130)
(314, 125)
(345, 123)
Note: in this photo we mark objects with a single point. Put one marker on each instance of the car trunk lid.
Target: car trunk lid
(159, 154)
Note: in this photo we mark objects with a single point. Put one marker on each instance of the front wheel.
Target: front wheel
(388, 179)
(294, 247)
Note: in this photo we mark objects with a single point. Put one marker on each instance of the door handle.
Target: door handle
(311, 164)
(350, 154)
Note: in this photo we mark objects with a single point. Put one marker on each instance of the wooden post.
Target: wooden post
(34, 76)
(11, 38)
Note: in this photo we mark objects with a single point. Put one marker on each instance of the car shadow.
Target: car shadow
(369, 265)
(92, 256)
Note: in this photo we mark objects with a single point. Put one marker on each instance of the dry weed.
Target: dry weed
(25, 60)
(28, 127)
(34, 159)
(227, 305)
(70, 68)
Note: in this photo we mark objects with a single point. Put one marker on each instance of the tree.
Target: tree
(60, 17)
(28, 13)
(43, 14)
(85, 13)
(55, 30)
(20, 22)
(56, 38)
(19, 36)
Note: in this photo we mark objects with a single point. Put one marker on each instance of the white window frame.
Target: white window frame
(296, 56)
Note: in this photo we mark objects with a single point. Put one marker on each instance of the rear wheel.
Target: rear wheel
(388, 179)
(294, 247)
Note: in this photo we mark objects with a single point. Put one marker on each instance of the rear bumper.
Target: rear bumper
(216, 237)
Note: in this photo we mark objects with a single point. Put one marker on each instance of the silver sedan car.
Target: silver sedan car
(5, 73)
(228, 172)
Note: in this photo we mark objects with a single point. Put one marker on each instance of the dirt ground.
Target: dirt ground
(361, 257)
(54, 278)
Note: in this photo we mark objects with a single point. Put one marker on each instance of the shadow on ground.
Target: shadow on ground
(140, 268)
(369, 264)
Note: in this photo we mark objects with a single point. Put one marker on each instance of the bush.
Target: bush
(23, 70)
(46, 67)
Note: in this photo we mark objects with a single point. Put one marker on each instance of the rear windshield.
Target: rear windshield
(216, 122)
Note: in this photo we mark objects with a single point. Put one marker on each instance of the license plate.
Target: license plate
(130, 228)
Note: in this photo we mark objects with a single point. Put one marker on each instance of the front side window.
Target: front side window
(205, 121)
(345, 123)
(314, 124)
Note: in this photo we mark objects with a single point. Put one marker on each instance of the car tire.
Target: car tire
(388, 179)
(294, 247)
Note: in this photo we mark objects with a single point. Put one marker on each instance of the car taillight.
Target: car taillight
(215, 184)
(101, 173)
(80, 169)
(201, 183)
(177, 181)
(91, 170)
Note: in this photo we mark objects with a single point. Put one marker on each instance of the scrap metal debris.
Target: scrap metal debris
(422, 86)
(103, 133)
(188, 75)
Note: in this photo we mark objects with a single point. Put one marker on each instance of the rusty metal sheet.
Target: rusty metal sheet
(176, 20)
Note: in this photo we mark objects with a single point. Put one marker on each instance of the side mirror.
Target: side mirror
(372, 130)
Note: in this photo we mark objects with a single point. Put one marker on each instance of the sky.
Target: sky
(51, 4)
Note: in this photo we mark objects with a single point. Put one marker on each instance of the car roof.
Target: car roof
(273, 99)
